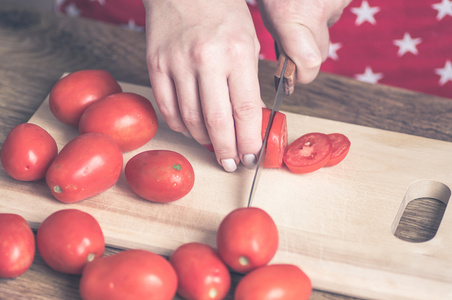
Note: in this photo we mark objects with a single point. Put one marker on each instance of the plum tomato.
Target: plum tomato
(274, 282)
(247, 238)
(340, 146)
(130, 119)
(27, 152)
(17, 245)
(73, 93)
(88, 165)
(200, 271)
(308, 153)
(68, 239)
(160, 175)
(131, 274)
(277, 138)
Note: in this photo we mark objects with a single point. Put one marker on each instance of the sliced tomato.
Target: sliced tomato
(341, 145)
(277, 138)
(308, 153)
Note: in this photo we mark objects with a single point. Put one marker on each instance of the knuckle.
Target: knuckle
(216, 120)
(192, 118)
(246, 110)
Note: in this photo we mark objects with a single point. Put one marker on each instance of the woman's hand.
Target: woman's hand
(202, 58)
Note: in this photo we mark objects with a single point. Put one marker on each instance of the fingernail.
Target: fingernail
(249, 161)
(209, 147)
(229, 165)
(187, 134)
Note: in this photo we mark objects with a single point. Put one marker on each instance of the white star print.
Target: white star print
(369, 76)
(332, 50)
(407, 44)
(365, 13)
(72, 10)
(444, 9)
(445, 73)
(133, 26)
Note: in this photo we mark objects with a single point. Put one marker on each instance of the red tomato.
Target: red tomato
(277, 138)
(27, 152)
(68, 239)
(274, 282)
(201, 273)
(308, 153)
(131, 274)
(88, 165)
(73, 93)
(17, 245)
(160, 175)
(128, 118)
(247, 238)
(340, 146)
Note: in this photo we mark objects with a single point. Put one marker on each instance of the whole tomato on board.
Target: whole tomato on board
(68, 239)
(277, 138)
(160, 175)
(340, 146)
(274, 282)
(131, 274)
(308, 153)
(247, 238)
(17, 245)
(27, 152)
(201, 273)
(73, 93)
(128, 118)
(88, 165)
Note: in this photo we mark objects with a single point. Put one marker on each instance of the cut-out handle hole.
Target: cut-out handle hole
(421, 211)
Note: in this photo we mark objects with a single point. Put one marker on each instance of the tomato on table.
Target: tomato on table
(160, 175)
(27, 152)
(17, 245)
(73, 93)
(308, 153)
(274, 282)
(340, 147)
(277, 138)
(128, 118)
(88, 165)
(247, 238)
(131, 274)
(200, 271)
(68, 239)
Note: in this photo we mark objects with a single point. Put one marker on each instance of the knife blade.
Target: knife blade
(284, 87)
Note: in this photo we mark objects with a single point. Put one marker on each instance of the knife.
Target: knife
(284, 83)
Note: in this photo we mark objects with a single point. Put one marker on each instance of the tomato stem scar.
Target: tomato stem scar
(244, 261)
(90, 257)
(57, 189)
(177, 167)
(213, 293)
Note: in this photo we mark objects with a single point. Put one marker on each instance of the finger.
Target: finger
(247, 111)
(165, 96)
(217, 111)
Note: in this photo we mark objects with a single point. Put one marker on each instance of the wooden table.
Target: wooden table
(37, 48)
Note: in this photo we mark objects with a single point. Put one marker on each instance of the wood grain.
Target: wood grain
(35, 49)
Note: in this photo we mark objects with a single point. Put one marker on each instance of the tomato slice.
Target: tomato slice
(277, 138)
(308, 153)
(341, 145)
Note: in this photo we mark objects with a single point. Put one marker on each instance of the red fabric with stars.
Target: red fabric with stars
(401, 43)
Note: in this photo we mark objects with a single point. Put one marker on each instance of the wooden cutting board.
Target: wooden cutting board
(337, 223)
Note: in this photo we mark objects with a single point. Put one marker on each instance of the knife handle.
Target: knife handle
(289, 74)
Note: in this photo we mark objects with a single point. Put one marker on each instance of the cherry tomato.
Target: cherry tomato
(17, 245)
(340, 146)
(88, 165)
(277, 138)
(27, 152)
(131, 274)
(201, 273)
(68, 239)
(308, 153)
(274, 282)
(73, 93)
(247, 238)
(128, 118)
(160, 175)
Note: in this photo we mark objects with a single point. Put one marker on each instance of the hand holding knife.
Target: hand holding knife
(285, 71)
